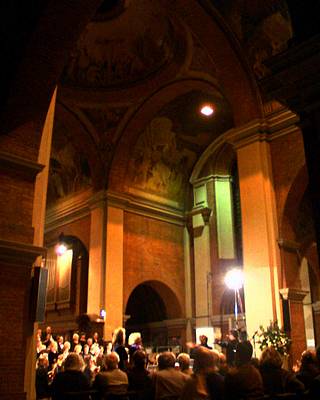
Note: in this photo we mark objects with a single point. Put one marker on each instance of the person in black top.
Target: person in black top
(118, 345)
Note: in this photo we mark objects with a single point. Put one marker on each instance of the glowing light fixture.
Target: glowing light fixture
(234, 279)
(60, 249)
(207, 110)
(103, 313)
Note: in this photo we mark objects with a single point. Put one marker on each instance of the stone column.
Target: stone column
(114, 271)
(295, 297)
(38, 222)
(188, 285)
(261, 259)
(316, 314)
(97, 254)
(202, 255)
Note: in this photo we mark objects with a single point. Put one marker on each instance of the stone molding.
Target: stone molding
(294, 295)
(19, 166)
(289, 245)
(19, 254)
(81, 204)
(278, 124)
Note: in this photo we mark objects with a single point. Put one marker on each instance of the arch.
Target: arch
(171, 307)
(142, 116)
(221, 157)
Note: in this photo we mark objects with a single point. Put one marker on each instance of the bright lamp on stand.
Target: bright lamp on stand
(234, 281)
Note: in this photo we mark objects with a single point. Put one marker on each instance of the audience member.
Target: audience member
(243, 381)
(42, 378)
(277, 380)
(309, 368)
(184, 363)
(112, 380)
(206, 382)
(139, 378)
(71, 380)
(168, 382)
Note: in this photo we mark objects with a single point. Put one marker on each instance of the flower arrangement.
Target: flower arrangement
(274, 336)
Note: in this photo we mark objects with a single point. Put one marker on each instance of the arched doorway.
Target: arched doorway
(153, 310)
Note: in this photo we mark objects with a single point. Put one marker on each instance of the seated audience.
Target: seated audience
(118, 343)
(168, 382)
(244, 380)
(206, 382)
(70, 380)
(277, 380)
(112, 380)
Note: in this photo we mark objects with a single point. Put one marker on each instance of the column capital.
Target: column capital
(292, 294)
(265, 129)
(316, 307)
(289, 245)
(97, 200)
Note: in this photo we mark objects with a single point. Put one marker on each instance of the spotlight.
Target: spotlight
(234, 279)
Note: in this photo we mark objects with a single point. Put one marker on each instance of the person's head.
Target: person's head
(43, 361)
(78, 348)
(73, 362)
(166, 360)
(83, 337)
(111, 361)
(270, 358)
(96, 336)
(75, 338)
(184, 361)
(89, 341)
(53, 346)
(233, 334)
(139, 359)
(205, 359)
(60, 339)
(244, 352)
(134, 338)
(308, 359)
(119, 336)
(48, 330)
(66, 346)
(86, 349)
(203, 339)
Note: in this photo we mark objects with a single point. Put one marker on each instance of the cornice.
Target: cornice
(82, 204)
(19, 254)
(277, 124)
(289, 245)
(68, 210)
(19, 166)
(142, 206)
(294, 295)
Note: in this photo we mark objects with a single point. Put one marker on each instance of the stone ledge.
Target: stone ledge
(19, 166)
(16, 253)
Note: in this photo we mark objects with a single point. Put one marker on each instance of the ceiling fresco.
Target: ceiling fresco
(126, 50)
(169, 146)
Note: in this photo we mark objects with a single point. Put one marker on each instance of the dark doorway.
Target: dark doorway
(147, 313)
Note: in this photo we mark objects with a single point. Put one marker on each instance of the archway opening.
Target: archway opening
(149, 310)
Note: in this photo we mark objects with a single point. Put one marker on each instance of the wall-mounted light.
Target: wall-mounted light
(207, 110)
(61, 246)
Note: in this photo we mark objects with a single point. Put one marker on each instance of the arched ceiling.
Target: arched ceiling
(133, 49)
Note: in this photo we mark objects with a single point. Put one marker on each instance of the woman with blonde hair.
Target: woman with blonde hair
(118, 345)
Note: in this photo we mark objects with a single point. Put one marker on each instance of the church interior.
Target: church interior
(147, 148)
